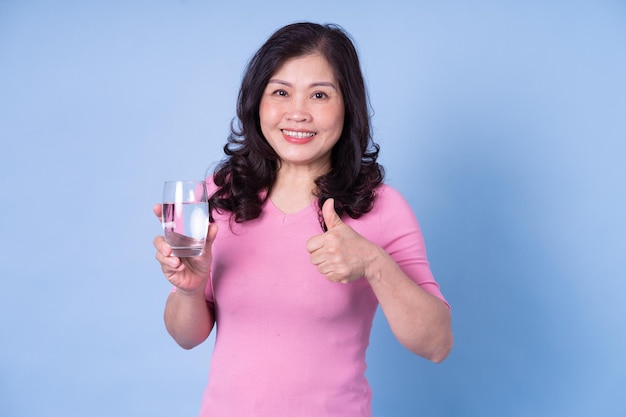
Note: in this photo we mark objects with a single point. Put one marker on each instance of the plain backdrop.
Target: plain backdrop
(502, 122)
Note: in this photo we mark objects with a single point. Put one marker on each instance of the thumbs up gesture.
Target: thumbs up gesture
(341, 254)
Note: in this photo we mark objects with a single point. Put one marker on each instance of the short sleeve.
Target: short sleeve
(401, 236)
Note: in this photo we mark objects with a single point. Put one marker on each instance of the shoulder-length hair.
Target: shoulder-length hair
(245, 178)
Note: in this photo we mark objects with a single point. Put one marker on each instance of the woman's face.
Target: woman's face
(302, 112)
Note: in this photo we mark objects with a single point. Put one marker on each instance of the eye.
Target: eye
(280, 93)
(320, 95)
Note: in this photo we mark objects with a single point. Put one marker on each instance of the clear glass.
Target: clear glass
(185, 217)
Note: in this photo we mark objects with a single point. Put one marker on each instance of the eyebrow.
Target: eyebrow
(315, 84)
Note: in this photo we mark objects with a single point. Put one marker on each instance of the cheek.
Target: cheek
(267, 120)
(268, 114)
(339, 120)
(262, 111)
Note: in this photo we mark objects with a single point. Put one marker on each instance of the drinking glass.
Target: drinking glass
(185, 216)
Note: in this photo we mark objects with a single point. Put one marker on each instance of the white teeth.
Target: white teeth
(299, 135)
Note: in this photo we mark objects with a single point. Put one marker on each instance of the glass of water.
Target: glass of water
(185, 216)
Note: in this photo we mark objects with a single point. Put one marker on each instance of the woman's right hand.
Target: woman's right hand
(186, 274)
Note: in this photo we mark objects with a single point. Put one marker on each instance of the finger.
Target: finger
(314, 244)
(158, 210)
(331, 218)
(169, 264)
(161, 245)
(210, 238)
(212, 233)
(316, 259)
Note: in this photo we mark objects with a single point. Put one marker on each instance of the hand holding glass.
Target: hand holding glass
(185, 216)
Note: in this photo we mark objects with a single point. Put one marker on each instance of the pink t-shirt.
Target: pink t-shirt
(289, 342)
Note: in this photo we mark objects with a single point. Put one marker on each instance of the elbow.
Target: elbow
(187, 346)
(435, 350)
(188, 343)
(188, 340)
(442, 341)
(440, 355)
(442, 349)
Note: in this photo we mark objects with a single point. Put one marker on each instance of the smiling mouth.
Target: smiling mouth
(298, 135)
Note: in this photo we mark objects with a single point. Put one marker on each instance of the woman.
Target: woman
(310, 241)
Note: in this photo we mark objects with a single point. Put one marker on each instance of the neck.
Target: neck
(294, 189)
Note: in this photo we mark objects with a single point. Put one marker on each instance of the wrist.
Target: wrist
(190, 293)
(376, 264)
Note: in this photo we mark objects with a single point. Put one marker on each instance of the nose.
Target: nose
(298, 111)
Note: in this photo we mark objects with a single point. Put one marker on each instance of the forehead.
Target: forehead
(309, 66)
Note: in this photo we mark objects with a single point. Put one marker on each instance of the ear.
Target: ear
(331, 218)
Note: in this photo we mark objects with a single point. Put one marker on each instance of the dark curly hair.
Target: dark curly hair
(245, 178)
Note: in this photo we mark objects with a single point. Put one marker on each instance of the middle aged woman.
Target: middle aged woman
(310, 242)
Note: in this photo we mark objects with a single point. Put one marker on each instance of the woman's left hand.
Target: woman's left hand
(419, 320)
(341, 254)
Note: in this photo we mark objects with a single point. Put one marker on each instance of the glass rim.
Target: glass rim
(186, 181)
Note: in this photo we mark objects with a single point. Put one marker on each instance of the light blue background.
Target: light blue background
(503, 123)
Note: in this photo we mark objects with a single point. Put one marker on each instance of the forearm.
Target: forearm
(188, 318)
(419, 320)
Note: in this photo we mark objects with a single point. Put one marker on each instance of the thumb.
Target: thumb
(157, 209)
(331, 218)
(210, 238)
(211, 233)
